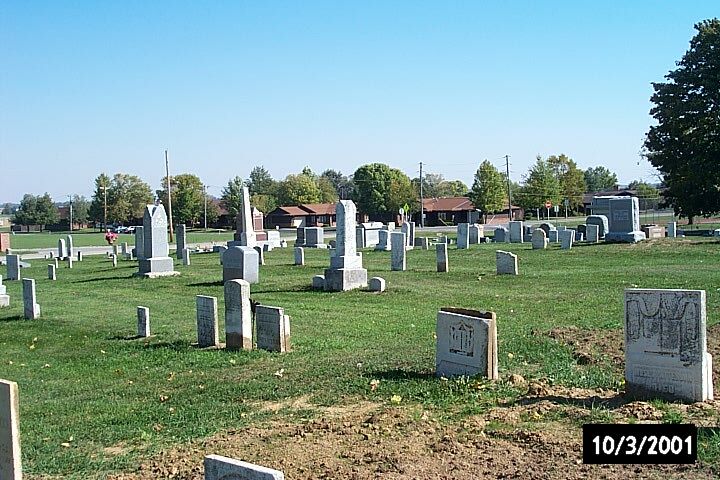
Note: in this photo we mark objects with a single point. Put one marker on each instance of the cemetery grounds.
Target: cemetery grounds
(357, 396)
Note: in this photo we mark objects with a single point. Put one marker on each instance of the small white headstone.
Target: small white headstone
(376, 284)
(10, 462)
(143, 321)
(224, 468)
(31, 309)
(466, 343)
(506, 263)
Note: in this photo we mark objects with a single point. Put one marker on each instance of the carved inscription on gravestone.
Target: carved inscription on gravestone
(665, 344)
(466, 343)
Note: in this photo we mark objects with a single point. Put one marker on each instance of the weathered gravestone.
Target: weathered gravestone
(56, 263)
(463, 236)
(516, 231)
(315, 237)
(155, 261)
(547, 226)
(318, 282)
(207, 321)
(224, 468)
(139, 243)
(359, 237)
(180, 240)
(10, 461)
(186, 256)
(653, 231)
(221, 250)
(299, 256)
(409, 230)
(624, 220)
(383, 240)
(13, 267)
(539, 240)
(567, 237)
(506, 263)
(143, 321)
(666, 345)
(113, 258)
(602, 223)
(593, 233)
(376, 284)
(273, 328)
(51, 272)
(300, 237)
(238, 315)
(672, 229)
(475, 233)
(370, 233)
(69, 261)
(4, 297)
(241, 263)
(261, 254)
(553, 236)
(62, 249)
(245, 230)
(70, 247)
(441, 256)
(346, 271)
(422, 242)
(31, 309)
(466, 343)
(398, 261)
(501, 235)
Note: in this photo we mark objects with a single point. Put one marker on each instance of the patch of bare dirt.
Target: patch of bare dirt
(592, 346)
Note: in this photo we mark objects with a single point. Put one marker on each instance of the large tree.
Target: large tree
(36, 210)
(232, 196)
(188, 201)
(261, 182)
(380, 189)
(540, 185)
(452, 188)
(599, 178)
(648, 196)
(685, 144)
(298, 189)
(80, 207)
(488, 192)
(341, 183)
(97, 203)
(127, 197)
(572, 179)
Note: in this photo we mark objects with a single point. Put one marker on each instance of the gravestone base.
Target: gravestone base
(318, 282)
(316, 245)
(631, 237)
(156, 267)
(4, 300)
(343, 279)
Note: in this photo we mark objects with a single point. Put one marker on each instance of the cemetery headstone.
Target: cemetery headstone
(261, 254)
(547, 226)
(579, 236)
(207, 321)
(475, 232)
(62, 249)
(113, 257)
(539, 240)
(602, 222)
(224, 468)
(463, 236)
(31, 309)
(10, 461)
(553, 236)
(56, 263)
(593, 233)
(238, 315)
(155, 261)
(143, 321)
(140, 242)
(653, 231)
(501, 235)
(666, 345)
(582, 228)
(318, 282)
(567, 237)
(69, 261)
(672, 229)
(180, 240)
(346, 271)
(4, 297)
(624, 220)
(398, 254)
(299, 256)
(79, 256)
(245, 233)
(406, 228)
(441, 255)
(51, 272)
(422, 242)
(466, 343)
(70, 247)
(360, 237)
(124, 250)
(383, 240)
(300, 237)
(241, 263)
(186, 256)
(315, 237)
(273, 328)
(221, 250)
(516, 231)
(506, 263)
(376, 284)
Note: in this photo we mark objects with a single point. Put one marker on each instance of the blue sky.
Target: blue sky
(87, 87)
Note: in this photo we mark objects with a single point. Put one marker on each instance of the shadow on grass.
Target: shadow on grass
(13, 319)
(177, 345)
(218, 283)
(100, 279)
(127, 337)
(397, 374)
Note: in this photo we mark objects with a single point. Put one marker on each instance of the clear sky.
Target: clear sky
(89, 87)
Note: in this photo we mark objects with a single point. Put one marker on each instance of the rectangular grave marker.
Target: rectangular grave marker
(207, 321)
(466, 343)
(238, 315)
(273, 328)
(31, 309)
(143, 321)
(10, 461)
(441, 254)
(224, 468)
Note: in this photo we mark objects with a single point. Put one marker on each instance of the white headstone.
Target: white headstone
(506, 263)
(346, 271)
(62, 249)
(398, 261)
(672, 229)
(10, 461)
(299, 256)
(463, 236)
(241, 263)
(207, 321)
(51, 272)
(441, 255)
(245, 233)
(224, 468)
(31, 309)
(143, 321)
(666, 344)
(186, 256)
(238, 315)
(539, 239)
(593, 233)
(466, 343)
(155, 261)
(273, 328)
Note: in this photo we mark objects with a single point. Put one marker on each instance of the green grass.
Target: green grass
(80, 376)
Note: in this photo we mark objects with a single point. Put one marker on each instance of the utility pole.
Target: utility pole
(167, 177)
(507, 171)
(422, 207)
(71, 219)
(105, 207)
(205, 211)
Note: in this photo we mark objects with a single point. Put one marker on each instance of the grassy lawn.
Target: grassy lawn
(86, 387)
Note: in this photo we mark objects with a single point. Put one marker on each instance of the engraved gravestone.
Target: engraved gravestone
(516, 231)
(466, 343)
(346, 271)
(441, 256)
(245, 233)
(4, 297)
(315, 237)
(70, 247)
(238, 315)
(186, 256)
(463, 236)
(139, 243)
(31, 309)
(273, 328)
(241, 263)
(155, 261)
(207, 321)
(180, 240)
(501, 235)
(143, 321)
(383, 240)
(10, 461)
(624, 220)
(51, 272)
(593, 233)
(475, 233)
(299, 256)
(224, 468)
(602, 223)
(62, 249)
(261, 254)
(666, 345)
(506, 263)
(398, 254)
(13, 267)
(567, 237)
(300, 237)
(539, 239)
(553, 236)
(672, 229)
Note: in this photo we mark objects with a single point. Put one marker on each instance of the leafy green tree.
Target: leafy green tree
(341, 183)
(599, 178)
(572, 179)
(648, 196)
(97, 203)
(127, 197)
(264, 203)
(452, 188)
(81, 208)
(431, 185)
(188, 201)
(540, 185)
(488, 189)
(328, 194)
(260, 182)
(8, 209)
(685, 144)
(298, 189)
(36, 210)
(379, 189)
(232, 196)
